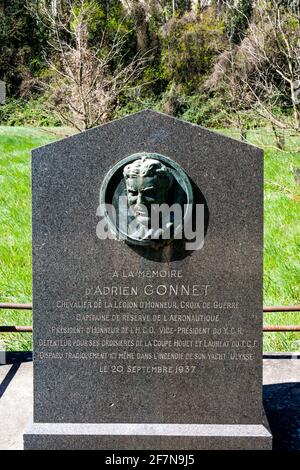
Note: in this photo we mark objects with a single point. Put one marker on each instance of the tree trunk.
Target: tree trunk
(279, 138)
(54, 7)
(295, 101)
(242, 129)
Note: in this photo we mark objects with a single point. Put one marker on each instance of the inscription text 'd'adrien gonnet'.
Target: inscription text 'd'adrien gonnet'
(149, 289)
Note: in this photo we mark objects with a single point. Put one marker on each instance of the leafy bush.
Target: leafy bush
(23, 40)
(20, 112)
(134, 105)
(205, 111)
(190, 46)
(237, 16)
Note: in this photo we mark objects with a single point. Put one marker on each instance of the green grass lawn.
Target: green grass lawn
(282, 230)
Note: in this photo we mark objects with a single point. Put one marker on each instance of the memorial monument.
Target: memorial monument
(147, 289)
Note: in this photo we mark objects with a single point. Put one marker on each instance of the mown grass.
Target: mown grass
(15, 225)
(281, 242)
(281, 234)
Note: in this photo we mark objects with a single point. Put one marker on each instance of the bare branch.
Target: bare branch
(86, 81)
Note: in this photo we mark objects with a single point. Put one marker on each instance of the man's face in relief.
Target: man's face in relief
(144, 191)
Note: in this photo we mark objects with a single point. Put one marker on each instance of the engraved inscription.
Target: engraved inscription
(148, 328)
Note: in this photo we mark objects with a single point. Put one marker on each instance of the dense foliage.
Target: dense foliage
(22, 42)
(214, 62)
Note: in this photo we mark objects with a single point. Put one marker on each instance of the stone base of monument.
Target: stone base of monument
(123, 436)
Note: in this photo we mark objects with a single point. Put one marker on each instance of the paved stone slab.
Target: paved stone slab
(282, 400)
(15, 403)
(278, 370)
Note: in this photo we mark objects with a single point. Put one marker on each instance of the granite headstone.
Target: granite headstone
(142, 348)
